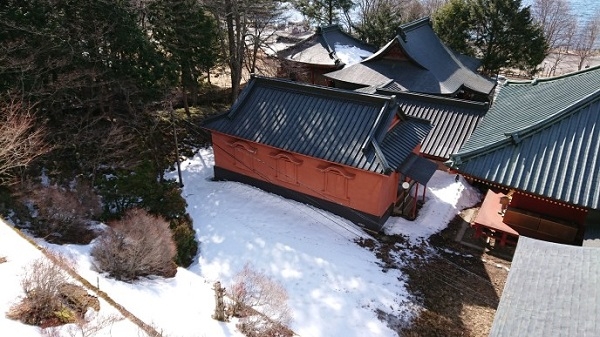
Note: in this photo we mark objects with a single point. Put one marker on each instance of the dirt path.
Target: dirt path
(456, 286)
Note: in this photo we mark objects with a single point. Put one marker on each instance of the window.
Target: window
(243, 155)
(336, 181)
(286, 167)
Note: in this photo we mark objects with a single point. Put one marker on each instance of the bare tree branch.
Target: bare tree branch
(21, 140)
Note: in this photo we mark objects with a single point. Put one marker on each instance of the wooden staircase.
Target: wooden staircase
(405, 203)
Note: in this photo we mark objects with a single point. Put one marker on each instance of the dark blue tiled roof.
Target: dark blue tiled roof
(551, 290)
(547, 145)
(320, 48)
(431, 67)
(340, 126)
(453, 120)
(402, 139)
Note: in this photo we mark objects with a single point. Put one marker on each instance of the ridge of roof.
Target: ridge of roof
(517, 136)
(436, 99)
(330, 48)
(415, 24)
(538, 80)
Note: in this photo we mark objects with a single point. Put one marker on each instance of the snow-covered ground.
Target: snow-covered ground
(335, 286)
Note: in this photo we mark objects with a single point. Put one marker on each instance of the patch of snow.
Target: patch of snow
(444, 199)
(335, 287)
(19, 254)
(350, 54)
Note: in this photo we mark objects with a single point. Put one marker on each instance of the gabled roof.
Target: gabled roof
(335, 125)
(453, 120)
(542, 137)
(328, 46)
(425, 65)
(551, 290)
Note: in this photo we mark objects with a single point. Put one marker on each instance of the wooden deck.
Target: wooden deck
(489, 221)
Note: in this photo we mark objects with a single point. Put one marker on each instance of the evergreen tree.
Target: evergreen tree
(188, 37)
(452, 23)
(324, 12)
(500, 32)
(90, 71)
(379, 21)
(70, 54)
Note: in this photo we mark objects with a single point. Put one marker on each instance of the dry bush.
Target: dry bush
(261, 304)
(63, 214)
(21, 140)
(42, 303)
(140, 244)
(89, 325)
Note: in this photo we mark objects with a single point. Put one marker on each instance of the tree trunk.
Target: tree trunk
(185, 80)
(234, 35)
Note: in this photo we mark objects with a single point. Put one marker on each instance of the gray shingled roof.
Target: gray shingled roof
(453, 120)
(335, 125)
(551, 290)
(431, 67)
(542, 137)
(320, 48)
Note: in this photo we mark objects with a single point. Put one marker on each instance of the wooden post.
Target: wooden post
(219, 314)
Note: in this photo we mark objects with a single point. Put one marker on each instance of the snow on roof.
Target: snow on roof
(350, 54)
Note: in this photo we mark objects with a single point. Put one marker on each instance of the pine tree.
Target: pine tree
(500, 32)
(324, 12)
(187, 37)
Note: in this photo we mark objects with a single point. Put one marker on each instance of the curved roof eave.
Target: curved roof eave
(519, 135)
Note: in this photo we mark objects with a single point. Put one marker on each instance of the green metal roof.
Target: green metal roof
(551, 290)
(542, 137)
(523, 104)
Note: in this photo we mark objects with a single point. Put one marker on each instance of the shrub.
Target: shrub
(261, 304)
(42, 304)
(62, 214)
(142, 189)
(185, 240)
(139, 244)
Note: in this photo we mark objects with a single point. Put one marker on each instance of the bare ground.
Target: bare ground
(457, 285)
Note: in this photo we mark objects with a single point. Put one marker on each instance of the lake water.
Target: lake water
(584, 9)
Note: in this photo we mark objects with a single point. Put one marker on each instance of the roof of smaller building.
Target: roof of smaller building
(542, 137)
(453, 120)
(551, 290)
(336, 125)
(429, 66)
(328, 46)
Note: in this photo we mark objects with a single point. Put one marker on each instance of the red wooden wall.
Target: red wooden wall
(361, 190)
(544, 206)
